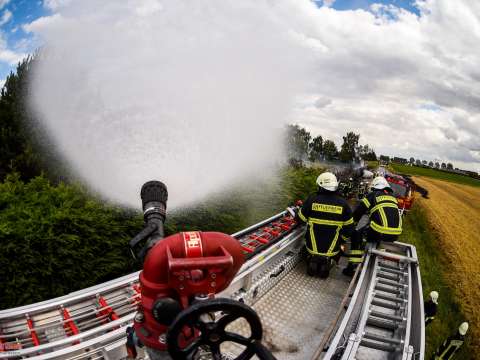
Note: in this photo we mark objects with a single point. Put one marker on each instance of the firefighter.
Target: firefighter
(430, 307)
(356, 252)
(450, 346)
(382, 209)
(329, 220)
(384, 222)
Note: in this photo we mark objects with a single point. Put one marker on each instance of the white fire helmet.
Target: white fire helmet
(379, 183)
(327, 181)
(463, 328)
(434, 296)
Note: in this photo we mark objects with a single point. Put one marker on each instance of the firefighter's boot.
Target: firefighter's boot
(324, 268)
(349, 270)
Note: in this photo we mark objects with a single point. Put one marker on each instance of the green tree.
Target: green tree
(17, 150)
(57, 239)
(367, 153)
(349, 146)
(385, 158)
(412, 160)
(444, 166)
(297, 141)
(316, 148)
(430, 163)
(330, 150)
(450, 166)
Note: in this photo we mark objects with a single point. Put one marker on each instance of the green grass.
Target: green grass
(372, 165)
(433, 266)
(433, 173)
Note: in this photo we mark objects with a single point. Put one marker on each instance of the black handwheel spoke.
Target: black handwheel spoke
(190, 348)
(212, 333)
(225, 320)
(200, 325)
(236, 338)
(215, 349)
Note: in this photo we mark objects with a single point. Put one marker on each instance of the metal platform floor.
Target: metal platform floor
(297, 312)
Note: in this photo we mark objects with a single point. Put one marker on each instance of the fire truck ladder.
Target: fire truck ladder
(385, 317)
(88, 323)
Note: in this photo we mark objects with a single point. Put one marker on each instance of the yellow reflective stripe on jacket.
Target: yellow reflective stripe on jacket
(366, 202)
(355, 252)
(334, 242)
(384, 205)
(349, 221)
(355, 260)
(383, 216)
(327, 208)
(322, 254)
(301, 216)
(386, 198)
(330, 252)
(385, 229)
(312, 239)
(455, 344)
(325, 222)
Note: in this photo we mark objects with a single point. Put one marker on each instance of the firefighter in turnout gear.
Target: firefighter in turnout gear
(384, 220)
(430, 307)
(382, 209)
(329, 220)
(450, 346)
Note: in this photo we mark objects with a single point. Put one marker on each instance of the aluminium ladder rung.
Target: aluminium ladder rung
(391, 283)
(389, 266)
(388, 276)
(390, 298)
(381, 315)
(386, 305)
(388, 290)
(383, 324)
(396, 257)
(384, 339)
(396, 271)
(378, 346)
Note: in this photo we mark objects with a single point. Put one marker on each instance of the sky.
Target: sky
(404, 74)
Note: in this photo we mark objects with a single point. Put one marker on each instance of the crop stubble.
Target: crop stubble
(454, 212)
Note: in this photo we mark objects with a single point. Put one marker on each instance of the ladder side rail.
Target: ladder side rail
(94, 344)
(55, 303)
(408, 314)
(336, 342)
(67, 340)
(364, 313)
(417, 336)
(258, 225)
(62, 322)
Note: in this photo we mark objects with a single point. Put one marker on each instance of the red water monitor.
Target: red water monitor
(178, 271)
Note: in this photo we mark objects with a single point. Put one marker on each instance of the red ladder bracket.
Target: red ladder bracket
(69, 324)
(33, 333)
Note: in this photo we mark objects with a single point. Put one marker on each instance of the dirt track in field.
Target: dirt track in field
(454, 211)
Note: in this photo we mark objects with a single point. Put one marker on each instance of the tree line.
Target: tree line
(418, 162)
(301, 146)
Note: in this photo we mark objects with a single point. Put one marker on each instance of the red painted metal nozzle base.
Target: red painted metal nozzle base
(179, 270)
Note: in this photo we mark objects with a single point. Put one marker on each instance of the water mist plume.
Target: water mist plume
(190, 93)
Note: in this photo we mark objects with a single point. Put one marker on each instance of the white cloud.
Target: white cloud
(44, 22)
(6, 17)
(7, 55)
(3, 3)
